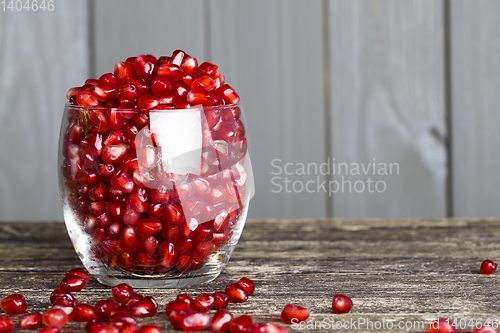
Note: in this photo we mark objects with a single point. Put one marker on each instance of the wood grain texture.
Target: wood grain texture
(126, 28)
(271, 53)
(475, 33)
(42, 55)
(406, 270)
(388, 104)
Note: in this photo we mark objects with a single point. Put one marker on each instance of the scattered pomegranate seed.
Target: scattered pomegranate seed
(14, 304)
(195, 321)
(83, 313)
(247, 284)
(341, 304)
(30, 321)
(6, 324)
(72, 283)
(185, 298)
(49, 329)
(58, 293)
(291, 312)
(241, 324)
(203, 302)
(236, 293)
(275, 328)
(258, 328)
(103, 309)
(221, 300)
(55, 317)
(79, 272)
(488, 267)
(149, 329)
(441, 325)
(146, 307)
(121, 292)
(221, 320)
(132, 301)
(128, 328)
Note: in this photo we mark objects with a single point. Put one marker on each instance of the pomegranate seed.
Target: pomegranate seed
(195, 321)
(86, 98)
(441, 325)
(204, 82)
(130, 217)
(146, 307)
(176, 317)
(148, 245)
(105, 329)
(221, 300)
(236, 293)
(148, 227)
(6, 324)
(148, 102)
(170, 71)
(247, 284)
(168, 255)
(219, 80)
(83, 313)
(185, 298)
(144, 66)
(55, 317)
(128, 328)
(189, 64)
(221, 320)
(115, 211)
(132, 301)
(199, 96)
(123, 182)
(294, 314)
(229, 94)
(58, 293)
(177, 306)
(161, 86)
(30, 321)
(72, 283)
(241, 324)
(275, 328)
(119, 320)
(93, 325)
(79, 272)
(103, 309)
(123, 71)
(341, 304)
(114, 153)
(258, 328)
(50, 329)
(138, 200)
(208, 69)
(121, 292)
(14, 304)
(180, 90)
(65, 302)
(488, 267)
(103, 92)
(149, 329)
(203, 302)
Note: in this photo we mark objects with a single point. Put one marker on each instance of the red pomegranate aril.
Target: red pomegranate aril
(72, 283)
(116, 120)
(138, 200)
(132, 301)
(144, 262)
(229, 94)
(161, 86)
(79, 272)
(144, 67)
(130, 217)
(148, 102)
(103, 219)
(92, 325)
(174, 215)
(208, 69)
(341, 304)
(115, 210)
(189, 64)
(221, 320)
(103, 309)
(6, 324)
(247, 284)
(185, 246)
(199, 96)
(121, 292)
(83, 313)
(185, 298)
(58, 293)
(157, 211)
(99, 118)
(149, 329)
(204, 82)
(488, 267)
(114, 137)
(219, 80)
(110, 246)
(85, 97)
(148, 245)
(128, 92)
(123, 71)
(116, 195)
(241, 324)
(148, 227)
(236, 293)
(123, 182)
(103, 92)
(275, 328)
(221, 300)
(258, 328)
(177, 306)
(170, 71)
(14, 304)
(177, 57)
(98, 193)
(114, 153)
(146, 307)
(203, 302)
(180, 90)
(295, 314)
(115, 229)
(119, 319)
(107, 170)
(203, 251)
(183, 263)
(30, 321)
(160, 195)
(195, 321)
(441, 325)
(55, 317)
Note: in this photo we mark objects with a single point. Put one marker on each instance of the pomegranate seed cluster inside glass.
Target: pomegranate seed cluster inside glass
(155, 175)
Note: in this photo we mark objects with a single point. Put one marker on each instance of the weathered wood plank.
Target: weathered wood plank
(125, 28)
(475, 33)
(410, 270)
(387, 97)
(42, 55)
(271, 53)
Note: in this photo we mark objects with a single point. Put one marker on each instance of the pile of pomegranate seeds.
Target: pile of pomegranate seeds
(111, 154)
(488, 267)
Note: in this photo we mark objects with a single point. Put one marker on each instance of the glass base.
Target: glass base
(179, 282)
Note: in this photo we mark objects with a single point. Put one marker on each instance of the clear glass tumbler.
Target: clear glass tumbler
(154, 198)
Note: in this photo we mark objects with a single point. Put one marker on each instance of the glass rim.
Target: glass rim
(198, 107)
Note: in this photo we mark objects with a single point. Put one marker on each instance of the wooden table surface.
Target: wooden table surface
(406, 272)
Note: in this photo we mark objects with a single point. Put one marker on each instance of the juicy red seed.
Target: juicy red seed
(146, 307)
(161, 86)
(189, 64)
(121, 292)
(259, 328)
(128, 328)
(138, 200)
(58, 293)
(442, 325)
(186, 246)
(199, 96)
(14, 304)
(65, 300)
(103, 309)
(132, 301)
(178, 306)
(113, 138)
(275, 328)
(6, 324)
(221, 300)
(86, 98)
(241, 324)
(208, 69)
(148, 245)
(72, 283)
(83, 313)
(50, 329)
(129, 240)
(147, 227)
(114, 153)
(98, 193)
(180, 90)
(55, 317)
(295, 314)
(115, 210)
(149, 329)
(92, 325)
(103, 92)
(219, 80)
(185, 298)
(229, 94)
(148, 102)
(174, 215)
(341, 304)
(123, 182)
(488, 267)
(144, 66)
(204, 82)
(30, 321)
(79, 272)
(203, 302)
(247, 284)
(120, 319)
(195, 321)
(170, 71)
(123, 71)
(221, 320)
(236, 293)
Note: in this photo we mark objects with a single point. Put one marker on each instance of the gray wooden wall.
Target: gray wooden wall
(414, 83)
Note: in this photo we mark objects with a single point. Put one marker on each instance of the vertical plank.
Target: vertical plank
(125, 28)
(388, 105)
(42, 55)
(271, 53)
(475, 32)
